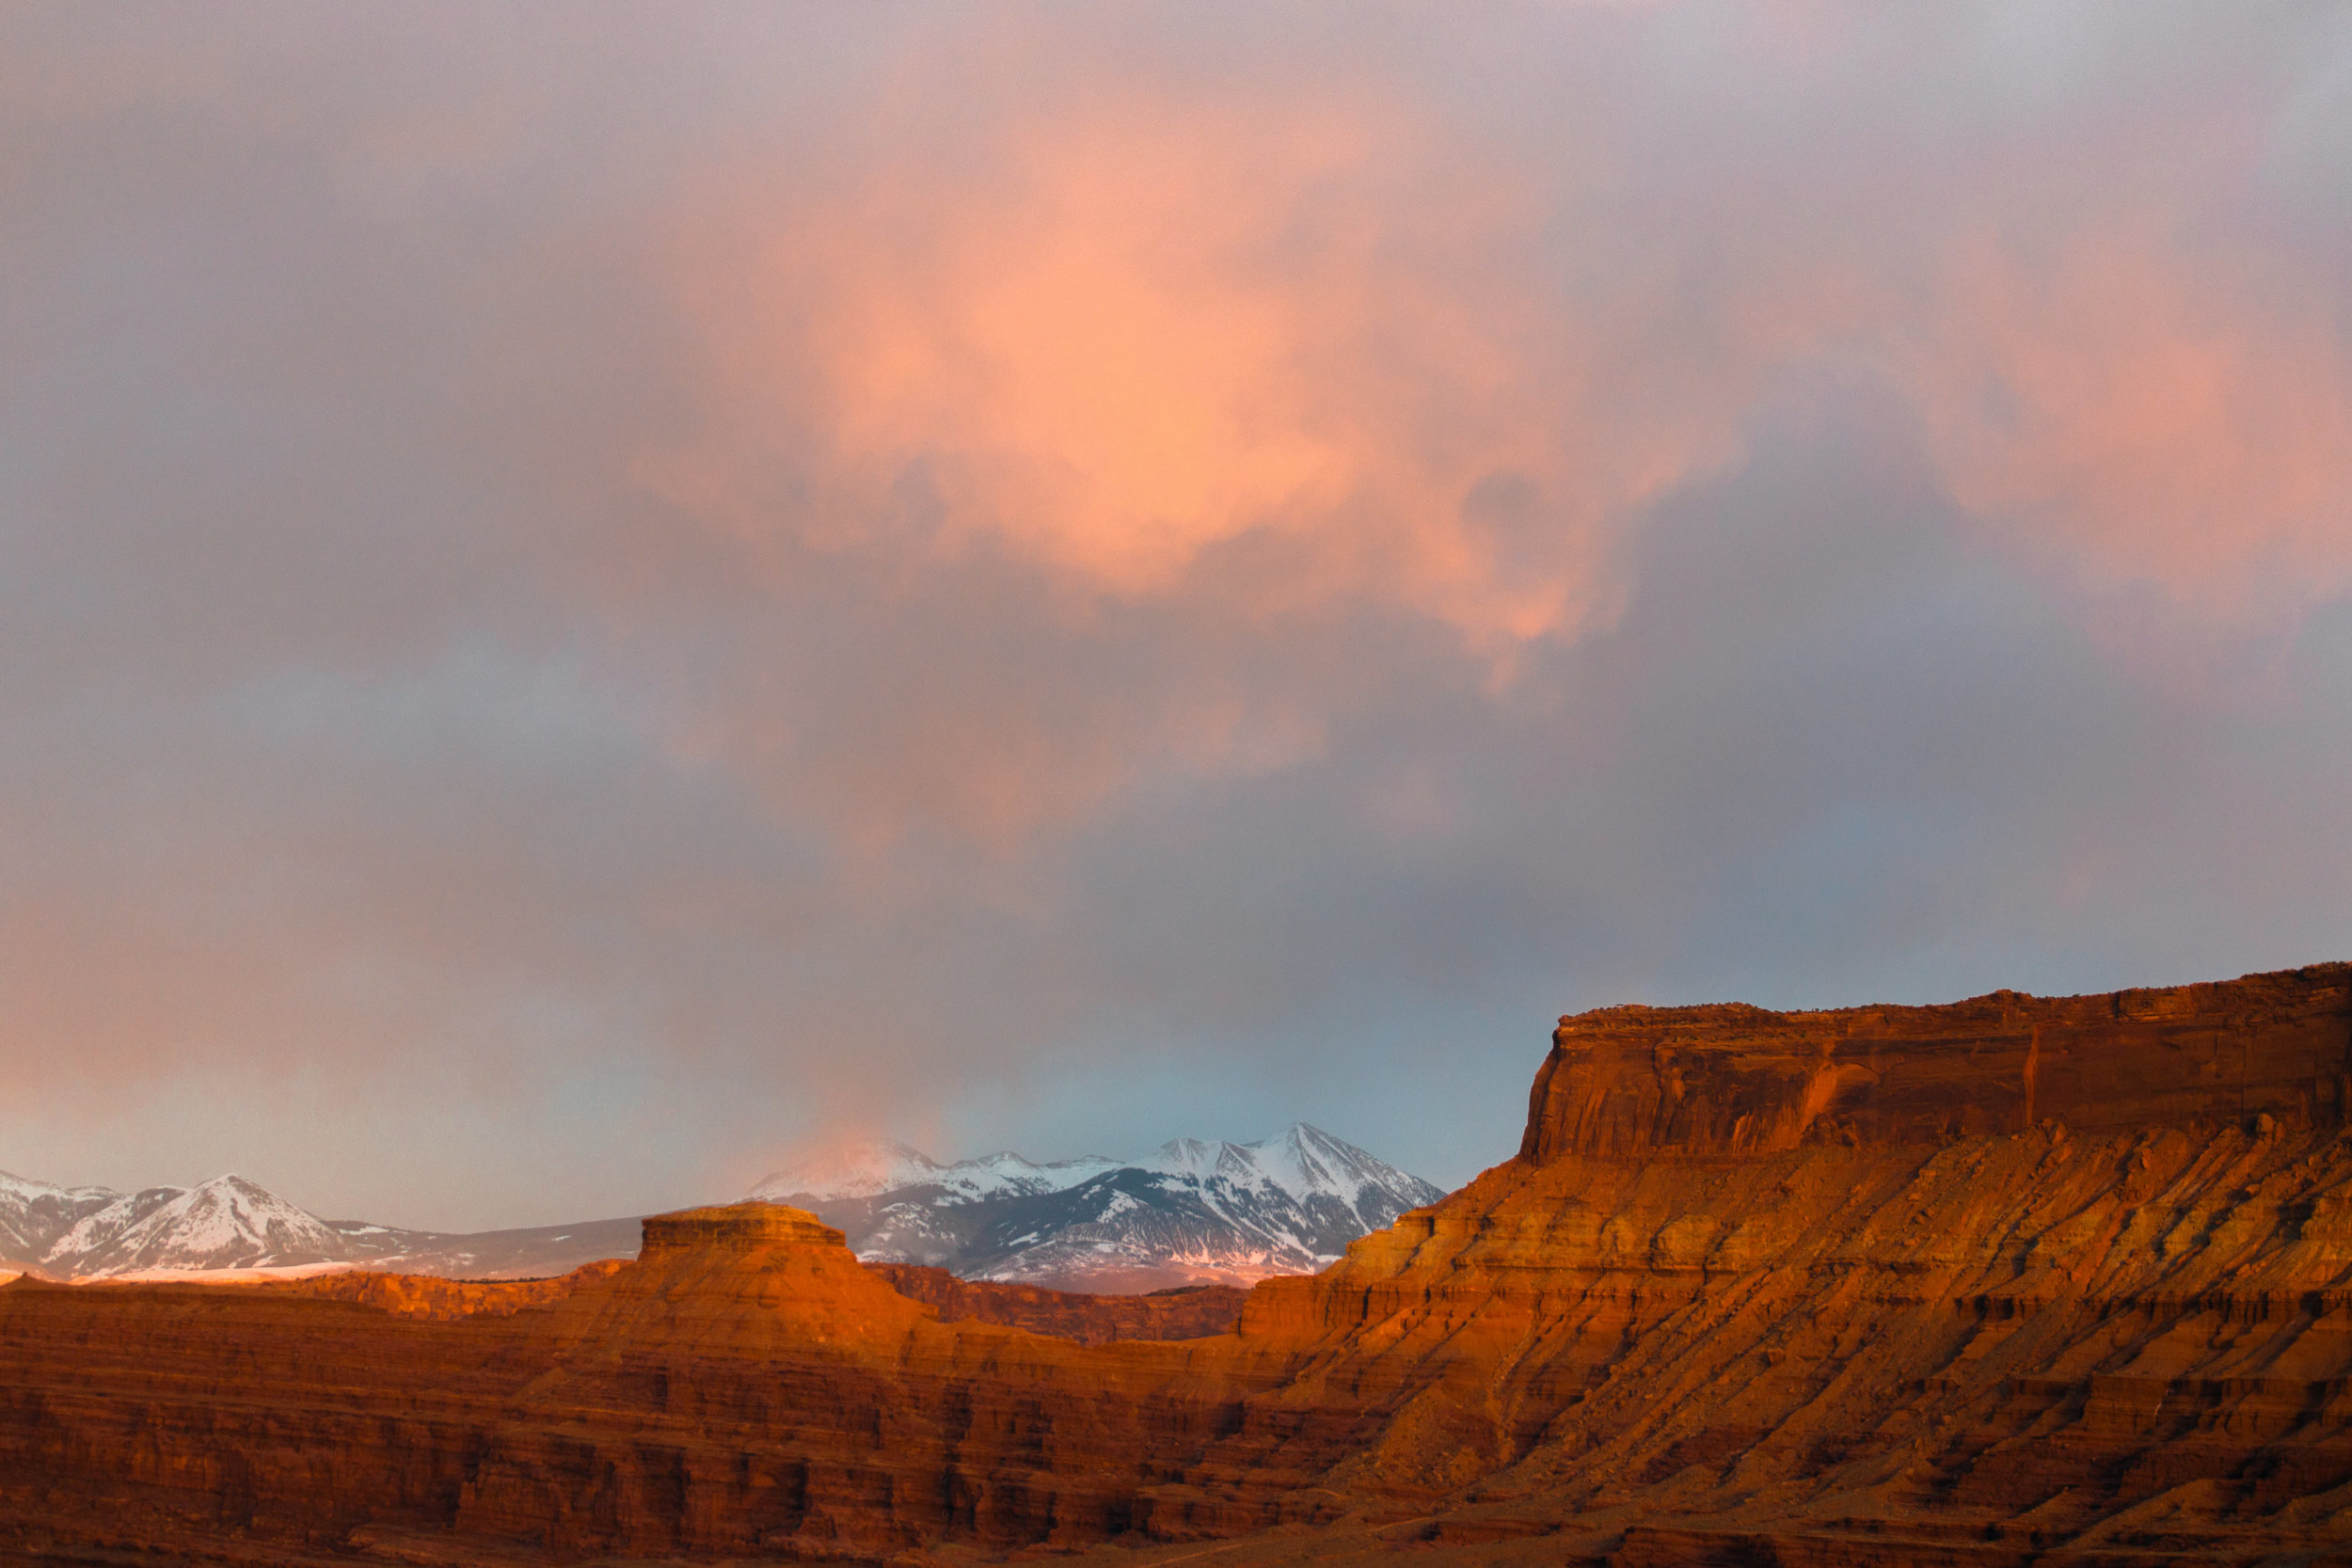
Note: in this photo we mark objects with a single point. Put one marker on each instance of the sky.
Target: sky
(597, 596)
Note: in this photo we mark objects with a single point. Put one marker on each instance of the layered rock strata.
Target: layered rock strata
(1630, 1082)
(1983, 1283)
(414, 1296)
(1185, 1312)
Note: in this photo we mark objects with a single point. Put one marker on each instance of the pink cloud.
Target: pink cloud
(2146, 414)
(1149, 323)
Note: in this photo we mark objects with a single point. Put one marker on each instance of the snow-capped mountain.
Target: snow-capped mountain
(228, 1223)
(231, 1225)
(870, 1169)
(1192, 1213)
(34, 1213)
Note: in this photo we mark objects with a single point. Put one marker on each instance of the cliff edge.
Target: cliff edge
(2008, 1281)
(1624, 1082)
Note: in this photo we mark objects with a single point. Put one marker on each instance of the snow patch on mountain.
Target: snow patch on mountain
(35, 1214)
(231, 1228)
(857, 1170)
(872, 1168)
(226, 1223)
(261, 1274)
(1194, 1212)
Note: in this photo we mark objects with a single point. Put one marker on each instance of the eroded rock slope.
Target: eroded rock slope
(2012, 1278)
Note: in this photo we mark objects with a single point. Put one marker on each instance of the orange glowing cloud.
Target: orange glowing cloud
(1143, 331)
(2148, 415)
(1099, 378)
(1254, 356)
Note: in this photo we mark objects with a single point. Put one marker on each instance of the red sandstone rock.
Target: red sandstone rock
(1191, 1312)
(1627, 1081)
(413, 1295)
(1894, 1285)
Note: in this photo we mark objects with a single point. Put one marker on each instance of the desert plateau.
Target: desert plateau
(2010, 1280)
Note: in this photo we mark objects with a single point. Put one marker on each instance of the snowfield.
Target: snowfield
(1193, 1211)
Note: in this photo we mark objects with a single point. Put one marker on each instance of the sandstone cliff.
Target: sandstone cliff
(1972, 1284)
(412, 1295)
(1626, 1081)
(1187, 1312)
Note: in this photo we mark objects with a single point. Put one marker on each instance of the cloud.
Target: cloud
(597, 595)
(1133, 332)
(2184, 421)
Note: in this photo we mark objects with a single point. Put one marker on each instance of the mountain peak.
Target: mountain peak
(18, 1186)
(1194, 1210)
(858, 1168)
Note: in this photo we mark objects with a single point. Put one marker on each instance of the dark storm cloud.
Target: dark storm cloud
(587, 593)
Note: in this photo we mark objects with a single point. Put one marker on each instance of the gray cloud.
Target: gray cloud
(505, 722)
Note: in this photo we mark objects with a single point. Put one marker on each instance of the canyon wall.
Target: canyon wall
(417, 1295)
(1185, 1312)
(2012, 1278)
(1624, 1082)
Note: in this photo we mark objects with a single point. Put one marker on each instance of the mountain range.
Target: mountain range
(230, 1226)
(1194, 1213)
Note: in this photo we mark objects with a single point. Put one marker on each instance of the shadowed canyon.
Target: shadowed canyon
(2009, 1280)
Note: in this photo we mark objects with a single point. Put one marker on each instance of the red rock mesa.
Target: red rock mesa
(1973, 1284)
(1185, 1312)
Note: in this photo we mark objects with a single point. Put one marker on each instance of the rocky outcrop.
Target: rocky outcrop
(1185, 1312)
(410, 1295)
(1626, 1081)
(746, 1385)
(1970, 1285)
(1889, 1284)
(761, 1390)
